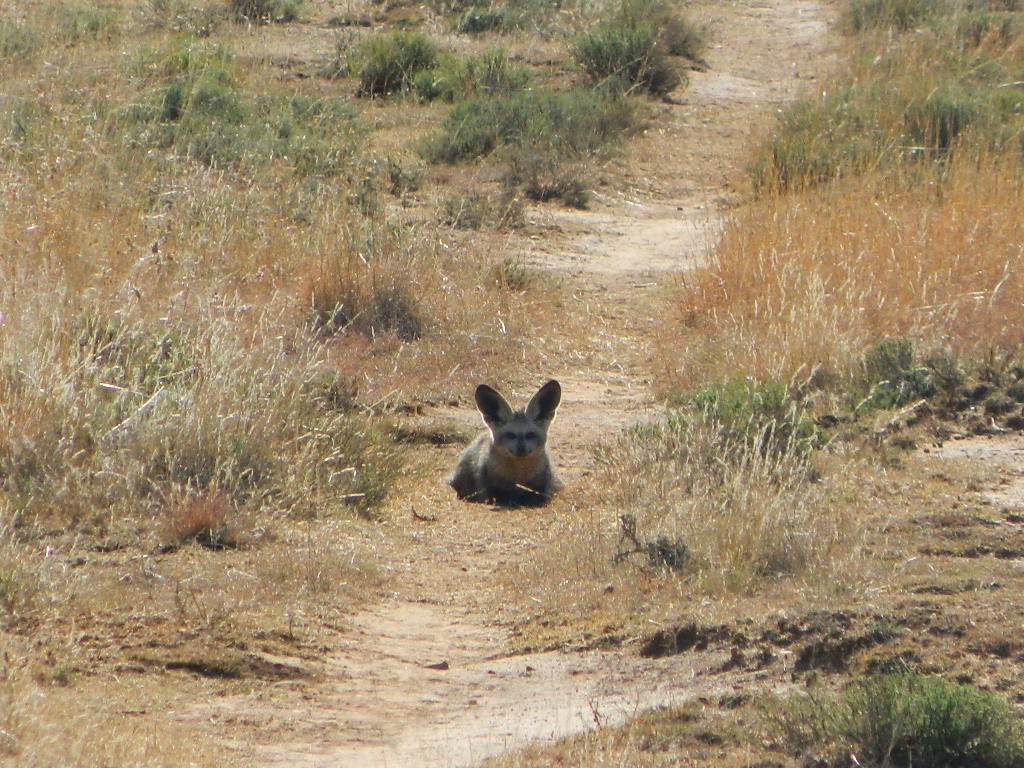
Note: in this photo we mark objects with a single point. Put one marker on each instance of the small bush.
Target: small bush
(17, 41)
(75, 23)
(570, 124)
(491, 19)
(491, 72)
(265, 10)
(746, 413)
(366, 287)
(475, 209)
(904, 719)
(891, 378)
(544, 176)
(622, 56)
(901, 15)
(388, 63)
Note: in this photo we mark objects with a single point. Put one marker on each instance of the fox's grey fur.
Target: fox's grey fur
(509, 462)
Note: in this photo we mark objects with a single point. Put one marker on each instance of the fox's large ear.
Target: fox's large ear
(493, 407)
(543, 404)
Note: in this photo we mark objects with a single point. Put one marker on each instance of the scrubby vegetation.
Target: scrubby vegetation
(903, 719)
(630, 48)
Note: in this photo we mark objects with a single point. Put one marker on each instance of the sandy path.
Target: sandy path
(384, 701)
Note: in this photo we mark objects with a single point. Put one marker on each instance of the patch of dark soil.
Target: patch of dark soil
(832, 653)
(668, 642)
(967, 585)
(222, 664)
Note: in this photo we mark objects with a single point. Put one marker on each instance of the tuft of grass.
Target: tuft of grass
(903, 719)
(475, 209)
(390, 62)
(367, 287)
(742, 514)
(201, 517)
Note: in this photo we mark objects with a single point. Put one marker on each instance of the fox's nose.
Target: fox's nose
(521, 449)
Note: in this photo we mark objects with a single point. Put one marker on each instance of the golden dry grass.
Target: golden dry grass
(801, 286)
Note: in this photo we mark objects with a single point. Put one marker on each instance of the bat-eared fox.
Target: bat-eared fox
(509, 463)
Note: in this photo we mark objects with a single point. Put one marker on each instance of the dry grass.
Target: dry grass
(800, 287)
(205, 329)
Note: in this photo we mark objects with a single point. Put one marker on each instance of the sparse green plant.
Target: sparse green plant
(491, 19)
(74, 23)
(903, 719)
(201, 110)
(17, 41)
(901, 15)
(891, 378)
(265, 10)
(389, 62)
(573, 124)
(490, 72)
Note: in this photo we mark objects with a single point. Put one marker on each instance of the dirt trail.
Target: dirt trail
(385, 702)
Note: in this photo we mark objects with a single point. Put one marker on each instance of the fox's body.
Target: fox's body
(509, 462)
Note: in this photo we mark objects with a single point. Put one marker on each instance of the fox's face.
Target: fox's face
(519, 434)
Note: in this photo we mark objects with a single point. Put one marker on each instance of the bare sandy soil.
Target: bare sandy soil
(424, 680)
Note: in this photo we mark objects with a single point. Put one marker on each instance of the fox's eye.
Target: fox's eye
(509, 436)
(531, 435)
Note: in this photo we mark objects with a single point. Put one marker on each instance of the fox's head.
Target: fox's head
(519, 434)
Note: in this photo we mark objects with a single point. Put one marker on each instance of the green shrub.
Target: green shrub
(17, 41)
(762, 414)
(200, 110)
(389, 62)
(891, 378)
(491, 19)
(75, 23)
(490, 72)
(265, 10)
(569, 124)
(904, 719)
(621, 56)
(544, 176)
(900, 15)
